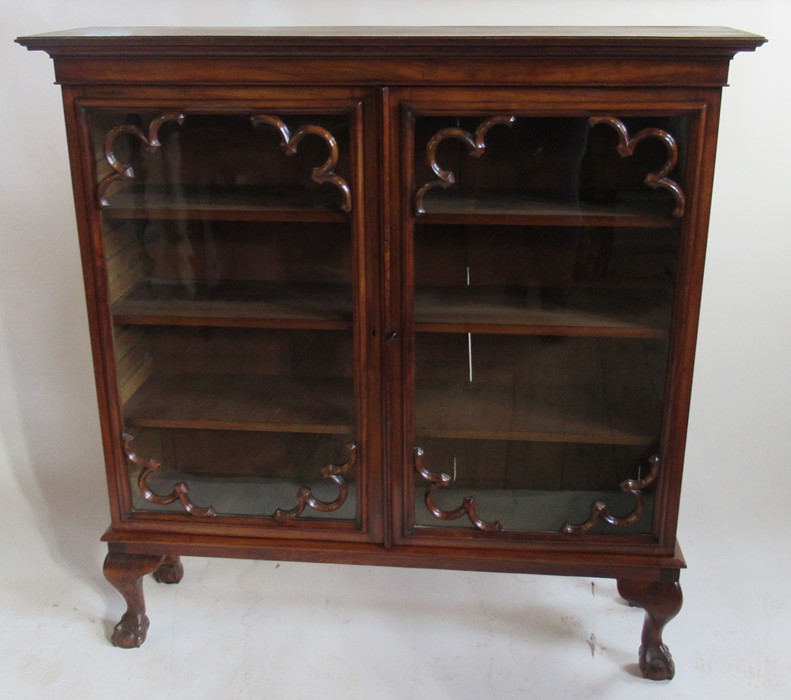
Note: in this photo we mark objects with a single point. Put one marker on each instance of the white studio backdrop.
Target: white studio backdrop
(739, 447)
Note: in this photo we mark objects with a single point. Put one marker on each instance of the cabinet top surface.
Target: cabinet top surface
(395, 41)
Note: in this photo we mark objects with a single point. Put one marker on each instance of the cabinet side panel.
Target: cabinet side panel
(699, 177)
(83, 163)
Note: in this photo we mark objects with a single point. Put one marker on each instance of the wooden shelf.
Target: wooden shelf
(234, 303)
(617, 415)
(243, 402)
(588, 311)
(514, 208)
(538, 413)
(599, 312)
(225, 204)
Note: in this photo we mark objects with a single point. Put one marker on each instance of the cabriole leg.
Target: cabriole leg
(169, 571)
(124, 572)
(661, 601)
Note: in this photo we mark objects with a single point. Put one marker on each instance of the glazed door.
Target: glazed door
(541, 252)
(231, 238)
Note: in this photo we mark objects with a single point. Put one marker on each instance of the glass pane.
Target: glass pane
(544, 286)
(535, 428)
(229, 268)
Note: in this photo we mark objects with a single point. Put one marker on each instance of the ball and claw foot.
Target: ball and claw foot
(170, 571)
(130, 632)
(656, 663)
(125, 572)
(661, 601)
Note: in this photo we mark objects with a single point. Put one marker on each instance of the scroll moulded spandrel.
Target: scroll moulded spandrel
(476, 143)
(323, 174)
(149, 467)
(626, 147)
(599, 510)
(659, 178)
(468, 506)
(305, 499)
(332, 472)
(150, 142)
(290, 143)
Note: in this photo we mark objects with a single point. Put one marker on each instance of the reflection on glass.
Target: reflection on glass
(544, 284)
(230, 285)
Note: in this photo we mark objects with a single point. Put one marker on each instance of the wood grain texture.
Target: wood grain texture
(396, 41)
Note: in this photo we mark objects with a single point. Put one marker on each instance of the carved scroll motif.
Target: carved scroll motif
(150, 143)
(655, 180)
(446, 178)
(468, 506)
(290, 143)
(180, 490)
(599, 511)
(333, 472)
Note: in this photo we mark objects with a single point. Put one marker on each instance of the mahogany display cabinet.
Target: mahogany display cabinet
(411, 297)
